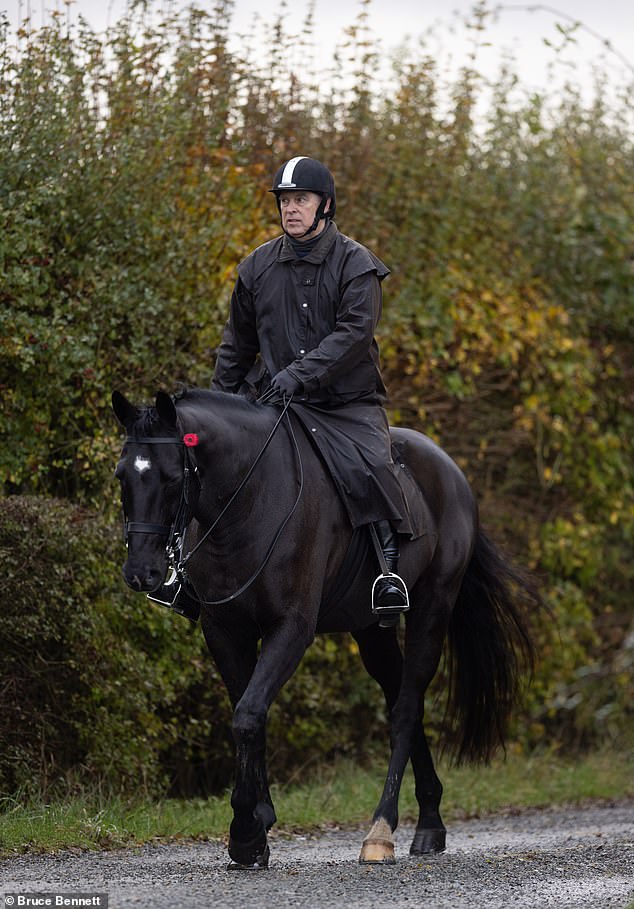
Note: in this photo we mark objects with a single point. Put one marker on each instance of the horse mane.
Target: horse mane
(204, 396)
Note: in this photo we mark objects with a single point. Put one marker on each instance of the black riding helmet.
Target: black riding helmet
(311, 175)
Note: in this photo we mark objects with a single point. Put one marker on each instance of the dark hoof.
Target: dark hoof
(428, 841)
(253, 856)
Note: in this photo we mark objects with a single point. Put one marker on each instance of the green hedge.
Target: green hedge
(86, 670)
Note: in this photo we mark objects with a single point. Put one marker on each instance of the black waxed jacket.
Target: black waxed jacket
(315, 316)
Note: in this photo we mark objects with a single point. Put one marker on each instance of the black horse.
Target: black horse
(268, 552)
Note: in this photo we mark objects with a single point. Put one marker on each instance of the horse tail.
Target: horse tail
(490, 646)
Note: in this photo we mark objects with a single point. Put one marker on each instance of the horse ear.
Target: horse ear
(126, 413)
(165, 408)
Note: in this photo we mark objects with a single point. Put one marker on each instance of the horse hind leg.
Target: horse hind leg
(430, 835)
(378, 846)
(381, 655)
(425, 632)
(431, 628)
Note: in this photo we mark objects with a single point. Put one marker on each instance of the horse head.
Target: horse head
(151, 472)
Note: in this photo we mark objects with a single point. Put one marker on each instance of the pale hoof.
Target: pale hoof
(378, 846)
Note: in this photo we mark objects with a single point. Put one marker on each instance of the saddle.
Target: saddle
(360, 560)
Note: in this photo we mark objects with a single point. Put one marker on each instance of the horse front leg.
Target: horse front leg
(253, 812)
(234, 645)
(253, 815)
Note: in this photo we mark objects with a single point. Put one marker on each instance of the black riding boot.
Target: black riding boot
(389, 595)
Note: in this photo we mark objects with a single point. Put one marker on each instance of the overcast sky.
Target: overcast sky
(517, 29)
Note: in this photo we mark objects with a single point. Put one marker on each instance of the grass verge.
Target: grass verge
(343, 794)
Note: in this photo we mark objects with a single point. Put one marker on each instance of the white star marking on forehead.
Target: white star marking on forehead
(142, 464)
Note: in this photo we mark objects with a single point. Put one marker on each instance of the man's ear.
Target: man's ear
(327, 206)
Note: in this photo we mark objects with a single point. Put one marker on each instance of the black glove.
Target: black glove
(285, 383)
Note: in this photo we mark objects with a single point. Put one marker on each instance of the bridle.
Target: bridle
(176, 531)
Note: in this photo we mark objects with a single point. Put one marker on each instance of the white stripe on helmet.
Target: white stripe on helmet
(287, 176)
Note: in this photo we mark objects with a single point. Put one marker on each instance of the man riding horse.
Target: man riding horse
(301, 333)
(303, 315)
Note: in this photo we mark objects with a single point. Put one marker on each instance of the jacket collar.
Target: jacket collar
(317, 254)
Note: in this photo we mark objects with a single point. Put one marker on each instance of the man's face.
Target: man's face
(298, 208)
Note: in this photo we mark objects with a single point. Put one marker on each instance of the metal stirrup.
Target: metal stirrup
(394, 578)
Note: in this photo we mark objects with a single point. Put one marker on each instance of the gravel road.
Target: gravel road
(564, 858)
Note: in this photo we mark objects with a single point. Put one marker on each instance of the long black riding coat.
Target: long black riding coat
(316, 316)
